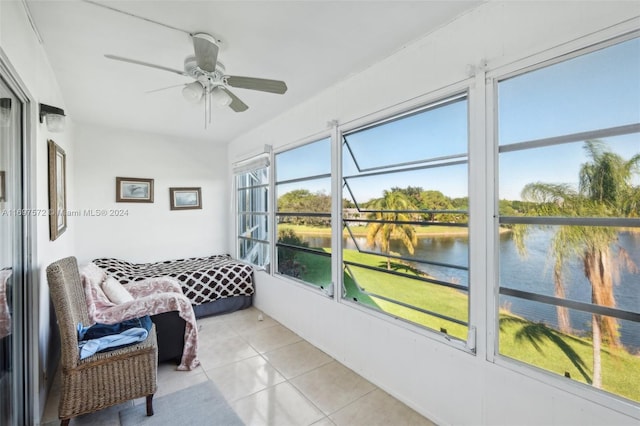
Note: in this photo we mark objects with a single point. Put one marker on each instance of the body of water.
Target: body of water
(532, 272)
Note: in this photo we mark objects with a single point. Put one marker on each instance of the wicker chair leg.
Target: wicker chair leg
(150, 405)
(64, 422)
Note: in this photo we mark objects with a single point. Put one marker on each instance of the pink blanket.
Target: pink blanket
(151, 296)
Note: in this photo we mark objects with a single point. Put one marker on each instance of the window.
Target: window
(303, 213)
(405, 216)
(569, 226)
(252, 198)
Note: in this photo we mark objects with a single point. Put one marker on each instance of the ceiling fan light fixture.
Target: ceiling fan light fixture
(220, 97)
(193, 92)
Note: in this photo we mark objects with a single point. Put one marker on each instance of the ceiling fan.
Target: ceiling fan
(210, 81)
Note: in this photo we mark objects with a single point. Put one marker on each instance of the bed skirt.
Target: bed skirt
(223, 306)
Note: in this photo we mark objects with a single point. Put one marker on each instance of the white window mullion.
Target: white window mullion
(336, 213)
(478, 211)
(491, 211)
(271, 208)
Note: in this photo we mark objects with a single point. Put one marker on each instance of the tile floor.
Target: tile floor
(270, 376)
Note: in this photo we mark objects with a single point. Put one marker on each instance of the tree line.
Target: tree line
(426, 204)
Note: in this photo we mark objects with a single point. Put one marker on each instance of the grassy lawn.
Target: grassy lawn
(316, 270)
(537, 344)
(443, 300)
(431, 297)
(530, 342)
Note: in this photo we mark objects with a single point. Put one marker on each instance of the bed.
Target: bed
(215, 285)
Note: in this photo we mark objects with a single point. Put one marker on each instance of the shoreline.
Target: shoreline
(327, 233)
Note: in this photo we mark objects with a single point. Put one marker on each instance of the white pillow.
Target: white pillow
(115, 291)
(92, 278)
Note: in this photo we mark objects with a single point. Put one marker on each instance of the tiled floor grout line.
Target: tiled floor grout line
(245, 328)
(288, 379)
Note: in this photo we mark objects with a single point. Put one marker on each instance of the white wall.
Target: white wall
(150, 231)
(446, 384)
(26, 56)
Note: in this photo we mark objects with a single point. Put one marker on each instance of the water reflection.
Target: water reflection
(532, 273)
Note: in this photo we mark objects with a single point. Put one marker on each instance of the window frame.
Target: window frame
(252, 164)
(318, 137)
(552, 56)
(475, 94)
(436, 163)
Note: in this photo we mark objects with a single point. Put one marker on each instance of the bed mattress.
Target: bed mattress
(203, 279)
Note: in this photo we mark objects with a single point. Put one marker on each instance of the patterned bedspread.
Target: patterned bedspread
(203, 279)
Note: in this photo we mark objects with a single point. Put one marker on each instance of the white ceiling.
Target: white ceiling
(309, 44)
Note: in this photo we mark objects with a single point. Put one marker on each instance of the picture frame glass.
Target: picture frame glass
(185, 198)
(60, 186)
(134, 190)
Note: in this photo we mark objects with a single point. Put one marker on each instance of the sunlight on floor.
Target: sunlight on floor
(270, 376)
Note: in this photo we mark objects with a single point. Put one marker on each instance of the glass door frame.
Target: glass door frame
(25, 350)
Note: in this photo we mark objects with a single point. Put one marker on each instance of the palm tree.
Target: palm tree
(388, 210)
(604, 190)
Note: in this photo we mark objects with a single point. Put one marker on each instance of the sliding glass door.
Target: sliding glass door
(12, 383)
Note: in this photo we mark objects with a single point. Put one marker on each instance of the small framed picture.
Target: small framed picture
(57, 190)
(134, 190)
(185, 198)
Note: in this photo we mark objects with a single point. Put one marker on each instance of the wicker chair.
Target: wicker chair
(103, 379)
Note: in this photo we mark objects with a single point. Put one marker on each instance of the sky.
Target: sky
(594, 91)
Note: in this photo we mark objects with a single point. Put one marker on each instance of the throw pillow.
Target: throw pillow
(115, 291)
(92, 278)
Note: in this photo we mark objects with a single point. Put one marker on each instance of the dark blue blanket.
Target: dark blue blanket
(98, 330)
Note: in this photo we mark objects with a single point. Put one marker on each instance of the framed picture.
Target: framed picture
(3, 186)
(134, 190)
(57, 190)
(185, 198)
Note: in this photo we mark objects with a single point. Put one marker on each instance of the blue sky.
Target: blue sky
(594, 91)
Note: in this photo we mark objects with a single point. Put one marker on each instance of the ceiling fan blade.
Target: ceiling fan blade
(206, 51)
(261, 84)
(164, 88)
(236, 104)
(146, 64)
